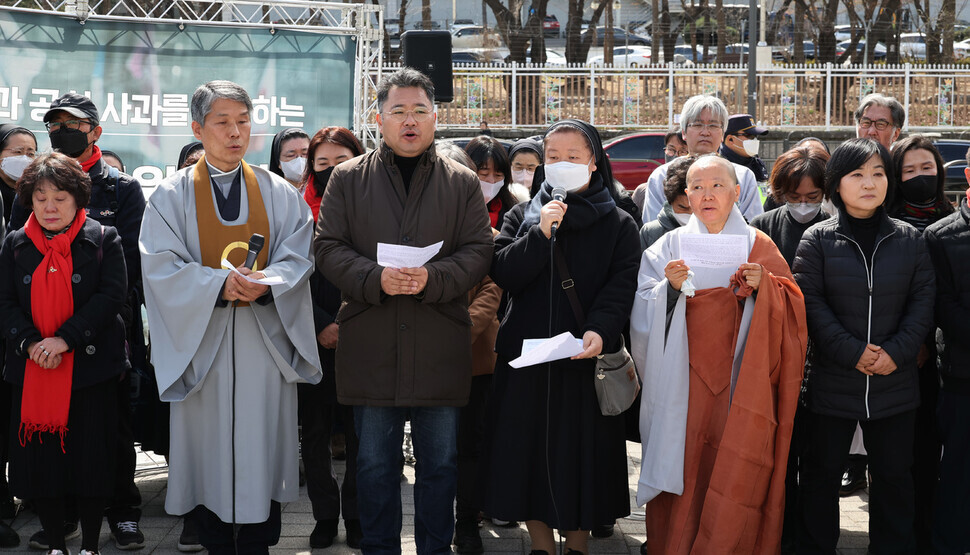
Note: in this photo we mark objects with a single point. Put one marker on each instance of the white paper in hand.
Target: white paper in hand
(709, 250)
(561, 346)
(268, 280)
(400, 256)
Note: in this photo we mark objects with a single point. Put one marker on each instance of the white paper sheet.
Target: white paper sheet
(400, 256)
(706, 250)
(268, 280)
(538, 351)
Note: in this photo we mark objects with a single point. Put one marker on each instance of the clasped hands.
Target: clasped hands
(875, 361)
(404, 281)
(47, 352)
(238, 289)
(676, 273)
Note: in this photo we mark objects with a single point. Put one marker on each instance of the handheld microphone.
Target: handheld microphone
(559, 194)
(256, 243)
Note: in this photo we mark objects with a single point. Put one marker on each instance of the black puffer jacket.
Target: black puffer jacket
(849, 305)
(948, 241)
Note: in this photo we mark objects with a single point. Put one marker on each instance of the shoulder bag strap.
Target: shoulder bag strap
(568, 285)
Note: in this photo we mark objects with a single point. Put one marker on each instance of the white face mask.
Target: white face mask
(523, 177)
(490, 190)
(682, 219)
(751, 146)
(568, 175)
(14, 166)
(293, 169)
(803, 212)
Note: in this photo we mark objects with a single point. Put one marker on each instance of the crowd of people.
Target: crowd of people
(790, 331)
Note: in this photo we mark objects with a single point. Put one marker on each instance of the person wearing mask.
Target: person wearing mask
(113, 160)
(676, 211)
(116, 200)
(288, 155)
(921, 202)
(716, 418)
(869, 293)
(702, 124)
(948, 241)
(525, 156)
(63, 285)
(741, 145)
(18, 146)
(552, 458)
(190, 155)
(674, 147)
(495, 176)
(228, 351)
(880, 118)
(405, 333)
(798, 186)
(318, 407)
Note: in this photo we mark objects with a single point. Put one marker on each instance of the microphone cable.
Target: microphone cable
(552, 290)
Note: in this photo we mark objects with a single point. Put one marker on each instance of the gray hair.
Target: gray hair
(406, 77)
(206, 94)
(712, 159)
(876, 99)
(697, 104)
(448, 149)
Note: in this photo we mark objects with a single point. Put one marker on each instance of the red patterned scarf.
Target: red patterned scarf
(47, 393)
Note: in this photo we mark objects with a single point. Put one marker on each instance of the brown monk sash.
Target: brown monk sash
(217, 240)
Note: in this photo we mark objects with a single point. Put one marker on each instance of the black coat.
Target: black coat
(326, 303)
(603, 259)
(848, 305)
(655, 229)
(948, 241)
(95, 332)
(785, 230)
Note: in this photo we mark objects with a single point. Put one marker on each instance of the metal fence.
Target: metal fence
(788, 97)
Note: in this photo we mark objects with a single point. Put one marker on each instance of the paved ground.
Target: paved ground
(162, 531)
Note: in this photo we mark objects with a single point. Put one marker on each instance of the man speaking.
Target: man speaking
(228, 351)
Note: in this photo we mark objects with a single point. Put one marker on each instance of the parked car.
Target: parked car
(954, 153)
(878, 52)
(458, 23)
(420, 25)
(477, 56)
(393, 27)
(550, 26)
(553, 59)
(912, 46)
(808, 47)
(624, 56)
(474, 36)
(462, 142)
(633, 157)
(619, 37)
(695, 55)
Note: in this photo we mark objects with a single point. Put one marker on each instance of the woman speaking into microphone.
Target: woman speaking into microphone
(553, 460)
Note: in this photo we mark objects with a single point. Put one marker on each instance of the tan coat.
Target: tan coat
(403, 350)
(483, 303)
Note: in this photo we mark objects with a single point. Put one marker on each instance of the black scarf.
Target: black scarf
(584, 208)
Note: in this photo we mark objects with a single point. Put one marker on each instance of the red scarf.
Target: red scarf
(89, 163)
(494, 207)
(47, 393)
(312, 198)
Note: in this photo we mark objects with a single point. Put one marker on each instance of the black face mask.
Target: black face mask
(320, 180)
(919, 189)
(71, 142)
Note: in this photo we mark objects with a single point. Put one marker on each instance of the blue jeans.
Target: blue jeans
(434, 434)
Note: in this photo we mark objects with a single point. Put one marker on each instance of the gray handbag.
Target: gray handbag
(614, 388)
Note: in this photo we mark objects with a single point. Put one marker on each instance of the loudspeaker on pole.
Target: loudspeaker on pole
(430, 53)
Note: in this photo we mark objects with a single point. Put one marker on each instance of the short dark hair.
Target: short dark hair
(850, 156)
(64, 173)
(675, 182)
(671, 135)
(917, 142)
(483, 148)
(794, 165)
(406, 77)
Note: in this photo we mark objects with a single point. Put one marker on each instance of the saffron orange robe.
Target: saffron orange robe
(736, 449)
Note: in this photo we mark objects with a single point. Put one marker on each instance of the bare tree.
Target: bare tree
(721, 29)
(939, 37)
(402, 13)
(517, 34)
(426, 15)
(577, 44)
(608, 36)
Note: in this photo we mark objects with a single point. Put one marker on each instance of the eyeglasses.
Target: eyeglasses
(810, 198)
(671, 151)
(701, 126)
(70, 124)
(398, 115)
(880, 124)
(19, 152)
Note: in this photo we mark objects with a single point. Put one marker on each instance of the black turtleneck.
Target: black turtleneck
(407, 167)
(864, 231)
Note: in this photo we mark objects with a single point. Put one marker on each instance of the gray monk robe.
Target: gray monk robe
(234, 432)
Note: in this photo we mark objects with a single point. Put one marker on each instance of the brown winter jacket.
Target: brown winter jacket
(412, 350)
(483, 302)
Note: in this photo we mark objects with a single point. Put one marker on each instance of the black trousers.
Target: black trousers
(125, 502)
(471, 434)
(250, 539)
(889, 443)
(926, 454)
(52, 514)
(790, 524)
(951, 536)
(318, 413)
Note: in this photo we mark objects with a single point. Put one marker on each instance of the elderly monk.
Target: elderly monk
(721, 370)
